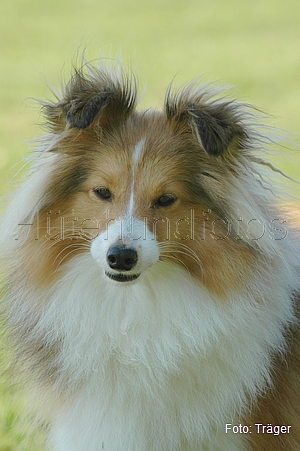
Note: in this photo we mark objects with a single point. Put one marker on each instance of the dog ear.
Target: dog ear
(81, 110)
(87, 97)
(216, 125)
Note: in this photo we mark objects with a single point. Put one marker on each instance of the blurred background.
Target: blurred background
(252, 45)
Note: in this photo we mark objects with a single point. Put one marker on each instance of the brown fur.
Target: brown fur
(280, 405)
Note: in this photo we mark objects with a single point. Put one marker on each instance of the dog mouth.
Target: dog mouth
(122, 277)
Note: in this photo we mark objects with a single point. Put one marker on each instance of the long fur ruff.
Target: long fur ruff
(152, 277)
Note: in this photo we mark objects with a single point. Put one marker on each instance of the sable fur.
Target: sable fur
(203, 329)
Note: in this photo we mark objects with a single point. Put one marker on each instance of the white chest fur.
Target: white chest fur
(156, 364)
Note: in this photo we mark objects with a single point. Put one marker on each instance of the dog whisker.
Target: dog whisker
(167, 247)
(169, 255)
(78, 246)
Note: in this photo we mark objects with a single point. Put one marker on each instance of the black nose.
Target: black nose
(121, 257)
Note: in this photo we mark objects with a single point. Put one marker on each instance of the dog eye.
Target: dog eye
(165, 200)
(103, 193)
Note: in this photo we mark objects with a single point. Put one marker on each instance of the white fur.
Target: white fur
(27, 200)
(136, 155)
(158, 360)
(133, 233)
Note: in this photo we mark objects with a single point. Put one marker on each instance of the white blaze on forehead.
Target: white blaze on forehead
(137, 152)
(136, 156)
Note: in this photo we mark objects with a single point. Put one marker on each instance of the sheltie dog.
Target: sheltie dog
(153, 275)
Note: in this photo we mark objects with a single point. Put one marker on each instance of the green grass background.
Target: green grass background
(251, 44)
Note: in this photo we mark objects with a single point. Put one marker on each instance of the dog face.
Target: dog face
(136, 189)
